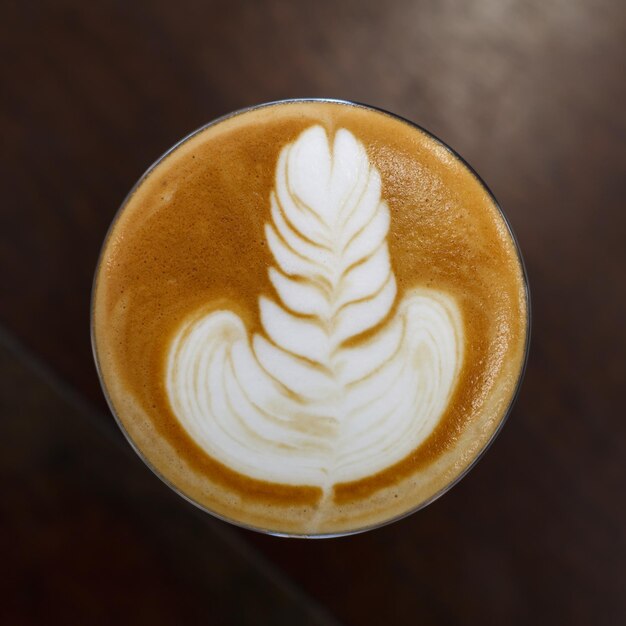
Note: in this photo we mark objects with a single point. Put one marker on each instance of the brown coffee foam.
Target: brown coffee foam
(191, 238)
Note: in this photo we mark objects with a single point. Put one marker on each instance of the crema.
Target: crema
(310, 317)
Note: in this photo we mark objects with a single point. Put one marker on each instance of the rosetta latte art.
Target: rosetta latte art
(343, 381)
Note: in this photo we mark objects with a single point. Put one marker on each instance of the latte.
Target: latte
(310, 317)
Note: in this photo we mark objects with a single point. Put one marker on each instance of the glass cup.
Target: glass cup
(457, 478)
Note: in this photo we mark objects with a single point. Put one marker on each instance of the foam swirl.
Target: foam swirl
(341, 383)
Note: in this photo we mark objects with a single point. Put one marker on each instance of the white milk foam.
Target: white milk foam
(294, 404)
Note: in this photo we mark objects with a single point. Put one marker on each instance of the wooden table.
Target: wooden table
(532, 93)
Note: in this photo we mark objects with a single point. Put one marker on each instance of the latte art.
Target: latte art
(310, 318)
(344, 380)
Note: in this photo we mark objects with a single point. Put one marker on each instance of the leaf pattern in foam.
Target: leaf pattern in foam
(299, 403)
(328, 237)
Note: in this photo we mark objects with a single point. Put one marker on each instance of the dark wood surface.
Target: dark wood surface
(532, 93)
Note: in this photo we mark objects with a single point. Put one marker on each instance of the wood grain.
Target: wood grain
(531, 93)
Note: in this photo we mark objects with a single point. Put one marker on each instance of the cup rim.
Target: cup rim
(457, 479)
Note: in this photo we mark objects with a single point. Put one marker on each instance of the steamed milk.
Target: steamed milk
(310, 317)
